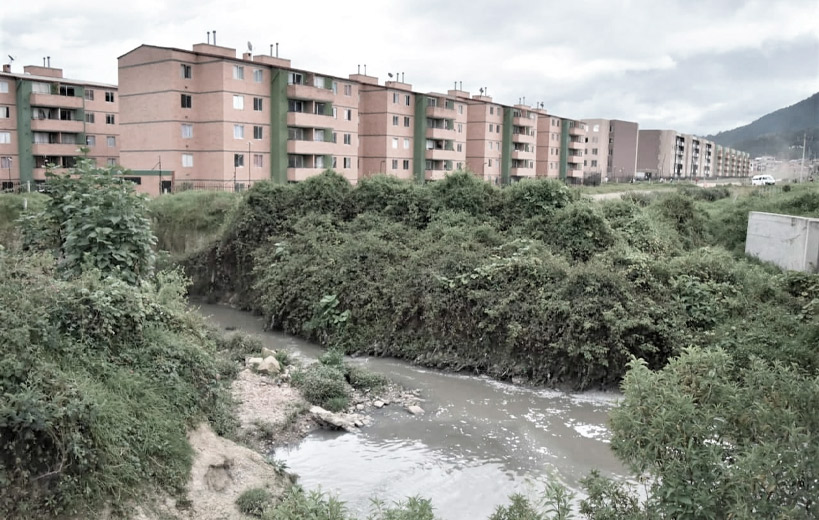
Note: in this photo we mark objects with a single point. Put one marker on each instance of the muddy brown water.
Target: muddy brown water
(479, 441)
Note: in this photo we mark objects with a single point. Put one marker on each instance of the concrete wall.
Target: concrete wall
(790, 242)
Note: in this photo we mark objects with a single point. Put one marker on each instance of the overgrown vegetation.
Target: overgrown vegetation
(330, 382)
(103, 369)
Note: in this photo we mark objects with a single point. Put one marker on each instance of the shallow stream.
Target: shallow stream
(479, 441)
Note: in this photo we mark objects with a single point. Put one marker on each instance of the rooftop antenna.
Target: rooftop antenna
(389, 74)
(208, 37)
(214, 36)
(11, 59)
(481, 90)
(249, 47)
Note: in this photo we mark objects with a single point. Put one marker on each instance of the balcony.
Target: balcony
(523, 121)
(440, 112)
(523, 154)
(576, 130)
(302, 174)
(307, 119)
(435, 175)
(300, 147)
(56, 125)
(310, 92)
(522, 138)
(54, 149)
(441, 133)
(444, 155)
(50, 100)
(522, 172)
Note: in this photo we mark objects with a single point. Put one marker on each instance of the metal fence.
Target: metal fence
(206, 185)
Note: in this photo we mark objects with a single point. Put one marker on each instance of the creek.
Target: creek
(479, 441)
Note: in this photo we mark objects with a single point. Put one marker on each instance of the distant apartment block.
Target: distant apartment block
(611, 149)
(45, 118)
(560, 146)
(669, 154)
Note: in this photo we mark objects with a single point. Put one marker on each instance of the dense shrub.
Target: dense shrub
(100, 381)
(254, 502)
(12, 207)
(324, 385)
(188, 221)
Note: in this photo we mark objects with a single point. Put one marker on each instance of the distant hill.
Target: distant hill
(779, 133)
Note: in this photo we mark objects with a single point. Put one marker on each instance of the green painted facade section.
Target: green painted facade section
(506, 147)
(80, 93)
(147, 173)
(419, 160)
(564, 148)
(24, 136)
(328, 109)
(278, 126)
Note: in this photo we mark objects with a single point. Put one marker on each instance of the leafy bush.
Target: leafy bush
(315, 505)
(581, 231)
(239, 346)
(324, 386)
(12, 207)
(254, 502)
(97, 220)
(187, 221)
(362, 379)
(101, 379)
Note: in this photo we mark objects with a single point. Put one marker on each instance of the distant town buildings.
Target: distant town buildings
(45, 119)
(210, 119)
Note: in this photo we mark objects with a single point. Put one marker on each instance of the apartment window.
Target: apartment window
(258, 132)
(39, 88)
(294, 105)
(319, 162)
(407, 121)
(348, 162)
(185, 71)
(238, 160)
(348, 114)
(594, 151)
(67, 91)
(394, 120)
(492, 111)
(348, 139)
(238, 131)
(395, 164)
(187, 160)
(258, 160)
(90, 140)
(335, 137)
(238, 72)
(113, 162)
(406, 164)
(109, 119)
(5, 162)
(406, 144)
(5, 137)
(490, 161)
(5, 112)
(593, 163)
(40, 138)
(89, 94)
(407, 99)
(258, 75)
(111, 141)
(348, 90)
(239, 102)
(89, 117)
(459, 147)
(4, 87)
(460, 109)
(395, 97)
(334, 87)
(295, 78)
(335, 113)
(335, 162)
(186, 100)
(395, 143)
(460, 128)
(491, 127)
(109, 96)
(257, 104)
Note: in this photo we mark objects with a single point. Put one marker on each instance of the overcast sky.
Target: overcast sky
(697, 66)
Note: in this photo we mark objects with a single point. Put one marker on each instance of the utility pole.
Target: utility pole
(804, 147)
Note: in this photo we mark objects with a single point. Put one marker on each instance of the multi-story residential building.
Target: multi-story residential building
(45, 119)
(484, 139)
(611, 149)
(560, 148)
(206, 116)
(520, 123)
(386, 128)
(669, 154)
(441, 120)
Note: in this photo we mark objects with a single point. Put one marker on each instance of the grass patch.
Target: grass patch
(254, 502)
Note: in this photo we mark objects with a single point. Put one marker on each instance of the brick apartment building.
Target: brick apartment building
(611, 149)
(209, 117)
(45, 118)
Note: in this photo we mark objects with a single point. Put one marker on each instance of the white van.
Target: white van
(762, 180)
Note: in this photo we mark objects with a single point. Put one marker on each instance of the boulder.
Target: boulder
(333, 420)
(379, 404)
(269, 365)
(266, 352)
(253, 361)
(415, 410)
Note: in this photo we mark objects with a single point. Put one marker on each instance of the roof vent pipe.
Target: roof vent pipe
(208, 37)
(49, 61)
(214, 37)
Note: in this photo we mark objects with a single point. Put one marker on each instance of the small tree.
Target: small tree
(95, 218)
